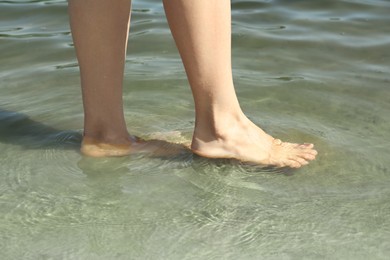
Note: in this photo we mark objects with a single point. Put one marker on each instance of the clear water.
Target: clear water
(316, 71)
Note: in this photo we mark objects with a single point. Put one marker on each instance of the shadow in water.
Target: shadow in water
(18, 129)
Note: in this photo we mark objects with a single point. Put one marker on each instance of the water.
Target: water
(314, 71)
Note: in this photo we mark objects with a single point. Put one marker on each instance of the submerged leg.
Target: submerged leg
(202, 32)
(100, 31)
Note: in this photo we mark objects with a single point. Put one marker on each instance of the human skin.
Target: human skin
(202, 32)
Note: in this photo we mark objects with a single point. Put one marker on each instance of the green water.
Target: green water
(315, 71)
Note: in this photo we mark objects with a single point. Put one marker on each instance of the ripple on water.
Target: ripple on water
(224, 176)
(61, 150)
(16, 178)
(171, 204)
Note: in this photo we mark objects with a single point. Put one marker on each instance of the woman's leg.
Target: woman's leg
(202, 32)
(100, 31)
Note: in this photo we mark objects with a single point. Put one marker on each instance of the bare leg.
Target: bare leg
(202, 31)
(100, 31)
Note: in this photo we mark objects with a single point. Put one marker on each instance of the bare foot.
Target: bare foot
(132, 145)
(94, 148)
(244, 141)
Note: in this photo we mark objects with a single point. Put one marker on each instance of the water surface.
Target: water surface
(315, 71)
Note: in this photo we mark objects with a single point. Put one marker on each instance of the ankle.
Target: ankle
(107, 136)
(218, 125)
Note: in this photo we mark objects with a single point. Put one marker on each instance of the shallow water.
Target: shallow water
(315, 71)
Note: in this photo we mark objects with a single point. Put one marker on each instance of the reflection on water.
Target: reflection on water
(315, 71)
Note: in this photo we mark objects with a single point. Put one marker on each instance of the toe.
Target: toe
(277, 142)
(308, 156)
(307, 146)
(293, 164)
(301, 161)
(307, 151)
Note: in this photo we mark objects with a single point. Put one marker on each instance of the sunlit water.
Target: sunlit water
(315, 71)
